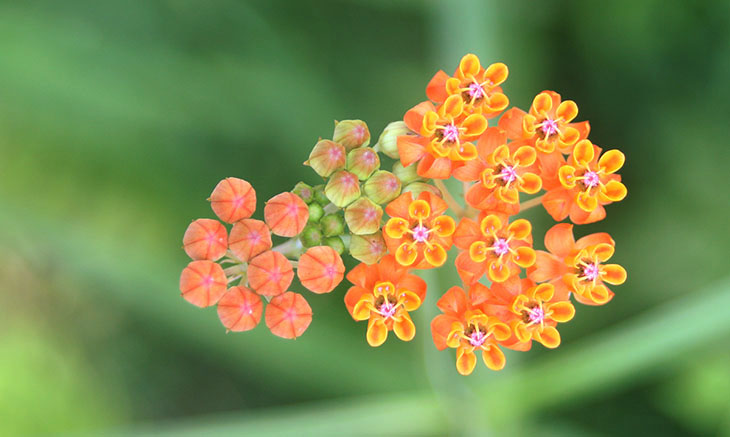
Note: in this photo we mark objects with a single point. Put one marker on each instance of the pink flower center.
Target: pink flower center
(254, 237)
(477, 338)
(501, 246)
(508, 174)
(537, 315)
(369, 157)
(590, 272)
(451, 133)
(591, 179)
(335, 154)
(387, 309)
(420, 234)
(549, 127)
(329, 271)
(359, 132)
(476, 91)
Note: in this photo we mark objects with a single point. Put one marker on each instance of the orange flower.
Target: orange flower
(548, 124)
(240, 309)
(587, 183)
(445, 134)
(249, 238)
(205, 239)
(578, 266)
(466, 328)
(202, 283)
(384, 294)
(288, 315)
(493, 247)
(502, 170)
(286, 214)
(418, 233)
(320, 269)
(478, 87)
(233, 199)
(537, 315)
(270, 273)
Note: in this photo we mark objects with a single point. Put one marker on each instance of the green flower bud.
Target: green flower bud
(332, 224)
(406, 174)
(388, 141)
(336, 243)
(382, 187)
(368, 248)
(319, 195)
(363, 216)
(311, 236)
(326, 158)
(315, 212)
(351, 134)
(343, 188)
(304, 191)
(363, 162)
(419, 187)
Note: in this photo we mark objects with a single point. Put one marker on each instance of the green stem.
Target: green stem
(524, 206)
(291, 248)
(449, 199)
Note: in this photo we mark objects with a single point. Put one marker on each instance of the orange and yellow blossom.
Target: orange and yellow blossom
(587, 183)
(578, 266)
(466, 328)
(384, 294)
(538, 314)
(444, 141)
(494, 247)
(418, 233)
(478, 87)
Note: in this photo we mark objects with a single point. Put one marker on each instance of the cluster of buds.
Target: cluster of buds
(401, 221)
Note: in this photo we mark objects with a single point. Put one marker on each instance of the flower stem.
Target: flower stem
(291, 248)
(524, 206)
(449, 199)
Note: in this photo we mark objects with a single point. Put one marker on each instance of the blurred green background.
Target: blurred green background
(118, 118)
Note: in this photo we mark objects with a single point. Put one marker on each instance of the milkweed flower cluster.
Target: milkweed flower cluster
(398, 221)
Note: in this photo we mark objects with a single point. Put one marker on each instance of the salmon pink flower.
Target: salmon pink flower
(493, 247)
(327, 157)
(384, 294)
(418, 233)
(578, 267)
(202, 283)
(288, 315)
(270, 273)
(537, 315)
(445, 138)
(478, 87)
(240, 309)
(205, 239)
(320, 269)
(249, 238)
(587, 183)
(233, 199)
(464, 327)
(351, 133)
(286, 214)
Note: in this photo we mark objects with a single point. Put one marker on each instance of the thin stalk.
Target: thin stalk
(524, 206)
(449, 199)
(291, 248)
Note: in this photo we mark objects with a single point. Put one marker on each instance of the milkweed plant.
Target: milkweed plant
(398, 222)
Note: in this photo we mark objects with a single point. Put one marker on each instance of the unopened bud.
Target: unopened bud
(351, 134)
(315, 212)
(336, 243)
(368, 248)
(311, 236)
(388, 141)
(332, 224)
(319, 195)
(406, 175)
(419, 187)
(343, 188)
(363, 162)
(363, 216)
(326, 158)
(304, 191)
(382, 187)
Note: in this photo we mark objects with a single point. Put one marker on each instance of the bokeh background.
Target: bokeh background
(118, 118)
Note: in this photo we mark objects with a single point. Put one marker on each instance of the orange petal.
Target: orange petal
(611, 161)
(614, 191)
(434, 168)
(436, 88)
(475, 125)
(490, 224)
(410, 149)
(469, 270)
(320, 269)
(498, 102)
(453, 301)
(583, 153)
(465, 152)
(542, 104)
(205, 239)
(428, 127)
(559, 239)
(493, 357)
(469, 65)
(511, 123)
(361, 310)
(567, 138)
(202, 283)
(600, 294)
(396, 227)
(444, 226)
(547, 267)
(377, 332)
(497, 271)
(233, 199)
(566, 175)
(544, 292)
(288, 315)
(404, 328)
(561, 312)
(465, 361)
(414, 116)
(419, 209)
(557, 203)
(406, 254)
(508, 195)
(270, 273)
(453, 86)
(521, 332)
(524, 156)
(520, 229)
(497, 73)
(353, 296)
(586, 201)
(453, 106)
(411, 301)
(614, 274)
(525, 257)
(490, 140)
(286, 214)
(531, 183)
(567, 110)
(435, 255)
(549, 337)
(478, 251)
(440, 328)
(249, 238)
(240, 309)
(603, 251)
(593, 240)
